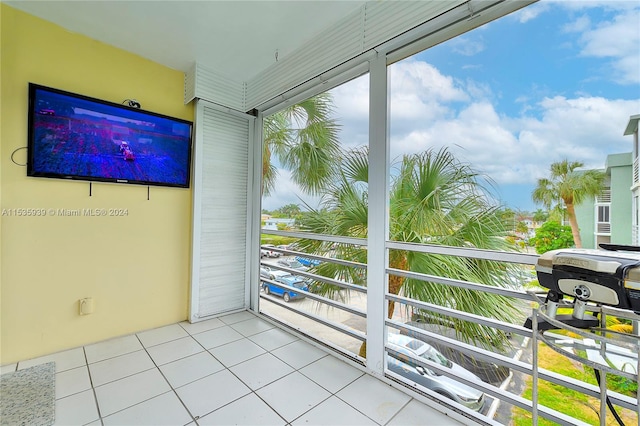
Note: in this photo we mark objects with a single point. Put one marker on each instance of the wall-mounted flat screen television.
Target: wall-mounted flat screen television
(77, 137)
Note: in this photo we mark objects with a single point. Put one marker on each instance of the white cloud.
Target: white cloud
(287, 192)
(420, 93)
(608, 5)
(581, 24)
(616, 36)
(352, 98)
(423, 80)
(352, 111)
(520, 149)
(466, 47)
(517, 149)
(531, 12)
(512, 149)
(618, 39)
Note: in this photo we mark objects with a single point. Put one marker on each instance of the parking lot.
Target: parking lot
(314, 328)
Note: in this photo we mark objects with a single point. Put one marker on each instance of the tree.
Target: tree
(552, 236)
(434, 199)
(522, 228)
(508, 217)
(289, 210)
(540, 216)
(281, 226)
(571, 187)
(304, 139)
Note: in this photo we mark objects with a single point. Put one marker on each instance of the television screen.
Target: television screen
(76, 137)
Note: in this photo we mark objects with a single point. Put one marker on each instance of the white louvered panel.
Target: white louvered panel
(370, 26)
(373, 25)
(336, 45)
(223, 212)
(385, 20)
(190, 85)
(339, 40)
(213, 87)
(222, 90)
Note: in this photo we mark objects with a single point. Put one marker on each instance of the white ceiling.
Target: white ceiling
(238, 39)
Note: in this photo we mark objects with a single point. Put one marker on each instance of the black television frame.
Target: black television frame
(32, 111)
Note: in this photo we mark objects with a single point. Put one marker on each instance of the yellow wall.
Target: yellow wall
(135, 267)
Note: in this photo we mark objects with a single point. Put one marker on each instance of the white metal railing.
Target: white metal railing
(635, 235)
(636, 170)
(515, 365)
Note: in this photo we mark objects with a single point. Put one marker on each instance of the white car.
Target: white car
(465, 395)
(268, 251)
(293, 264)
(272, 274)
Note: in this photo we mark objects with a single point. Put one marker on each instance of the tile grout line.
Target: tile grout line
(208, 351)
(133, 374)
(398, 412)
(93, 389)
(364, 414)
(166, 380)
(253, 391)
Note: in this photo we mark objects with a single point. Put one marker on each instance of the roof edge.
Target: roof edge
(632, 126)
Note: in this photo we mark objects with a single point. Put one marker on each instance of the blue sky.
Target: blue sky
(558, 79)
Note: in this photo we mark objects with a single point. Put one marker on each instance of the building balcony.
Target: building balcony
(344, 320)
(299, 362)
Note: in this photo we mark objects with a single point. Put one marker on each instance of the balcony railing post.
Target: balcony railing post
(534, 376)
(603, 375)
(378, 217)
(638, 381)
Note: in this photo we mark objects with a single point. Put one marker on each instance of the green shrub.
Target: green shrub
(552, 236)
(276, 240)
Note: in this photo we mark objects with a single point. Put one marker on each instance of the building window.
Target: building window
(603, 214)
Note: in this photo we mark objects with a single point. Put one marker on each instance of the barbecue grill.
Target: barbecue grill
(610, 276)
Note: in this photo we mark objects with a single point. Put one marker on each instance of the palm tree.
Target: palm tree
(571, 187)
(540, 216)
(434, 199)
(304, 139)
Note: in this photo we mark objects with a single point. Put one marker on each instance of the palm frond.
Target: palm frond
(304, 138)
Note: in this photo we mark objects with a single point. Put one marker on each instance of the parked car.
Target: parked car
(293, 264)
(271, 274)
(446, 386)
(307, 262)
(287, 279)
(269, 252)
(265, 272)
(487, 371)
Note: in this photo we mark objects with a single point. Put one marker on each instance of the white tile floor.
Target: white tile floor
(236, 369)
